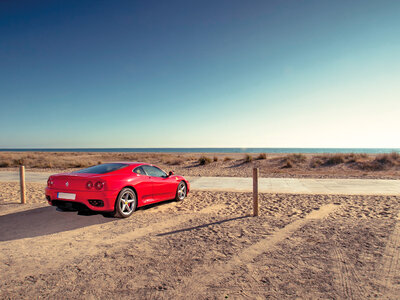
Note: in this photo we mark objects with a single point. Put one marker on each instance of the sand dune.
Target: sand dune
(348, 165)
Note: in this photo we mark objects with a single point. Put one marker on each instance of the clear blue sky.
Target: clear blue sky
(199, 73)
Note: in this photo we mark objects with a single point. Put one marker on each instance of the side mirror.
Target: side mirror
(170, 173)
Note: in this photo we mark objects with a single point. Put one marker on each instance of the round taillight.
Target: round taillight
(89, 185)
(49, 182)
(99, 185)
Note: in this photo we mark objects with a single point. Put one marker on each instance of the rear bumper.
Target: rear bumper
(83, 197)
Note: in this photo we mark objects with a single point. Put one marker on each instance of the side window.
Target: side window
(154, 171)
(139, 170)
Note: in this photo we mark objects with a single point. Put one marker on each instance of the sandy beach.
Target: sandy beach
(206, 247)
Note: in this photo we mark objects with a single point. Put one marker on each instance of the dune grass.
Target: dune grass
(344, 163)
(204, 160)
(291, 160)
(248, 158)
(261, 156)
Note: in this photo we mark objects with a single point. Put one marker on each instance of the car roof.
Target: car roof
(132, 163)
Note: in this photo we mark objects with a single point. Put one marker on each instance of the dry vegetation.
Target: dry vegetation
(203, 160)
(248, 158)
(262, 156)
(346, 165)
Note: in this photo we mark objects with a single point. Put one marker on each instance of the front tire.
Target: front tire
(181, 191)
(125, 204)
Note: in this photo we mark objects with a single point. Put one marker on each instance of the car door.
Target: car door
(143, 185)
(164, 186)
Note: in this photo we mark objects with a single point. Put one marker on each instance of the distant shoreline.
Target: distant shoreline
(210, 150)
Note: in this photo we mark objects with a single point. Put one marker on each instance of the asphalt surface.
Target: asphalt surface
(266, 185)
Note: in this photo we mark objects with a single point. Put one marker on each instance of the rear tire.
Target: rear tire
(181, 191)
(125, 204)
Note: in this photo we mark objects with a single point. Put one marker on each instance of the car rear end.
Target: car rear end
(80, 191)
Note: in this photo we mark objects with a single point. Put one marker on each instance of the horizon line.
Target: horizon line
(34, 148)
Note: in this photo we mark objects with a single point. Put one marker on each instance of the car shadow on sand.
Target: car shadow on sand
(156, 205)
(45, 221)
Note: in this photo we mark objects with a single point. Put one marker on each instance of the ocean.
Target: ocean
(212, 150)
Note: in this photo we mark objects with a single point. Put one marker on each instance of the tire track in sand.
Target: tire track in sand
(204, 277)
(346, 276)
(389, 273)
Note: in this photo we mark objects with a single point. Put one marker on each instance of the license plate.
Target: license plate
(68, 196)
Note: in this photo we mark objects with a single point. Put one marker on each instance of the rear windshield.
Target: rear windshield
(102, 169)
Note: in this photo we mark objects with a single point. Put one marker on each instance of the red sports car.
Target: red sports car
(116, 188)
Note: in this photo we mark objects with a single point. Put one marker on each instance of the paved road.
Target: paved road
(300, 185)
(40, 177)
(267, 185)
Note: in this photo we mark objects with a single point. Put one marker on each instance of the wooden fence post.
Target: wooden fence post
(255, 192)
(22, 183)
